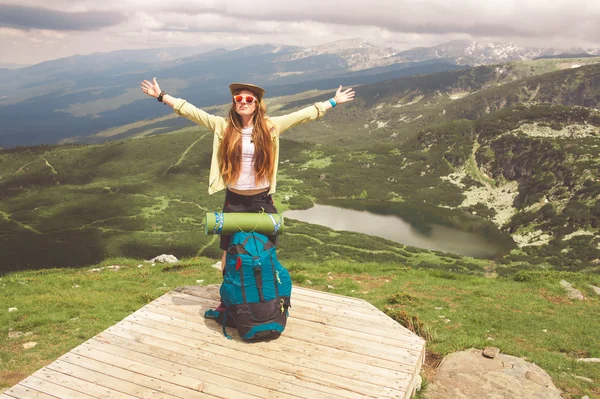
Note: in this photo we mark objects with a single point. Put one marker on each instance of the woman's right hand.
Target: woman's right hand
(151, 88)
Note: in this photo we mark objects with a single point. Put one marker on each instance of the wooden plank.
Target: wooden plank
(190, 314)
(391, 329)
(378, 351)
(412, 343)
(194, 328)
(332, 295)
(126, 382)
(196, 362)
(390, 332)
(272, 361)
(51, 388)
(212, 383)
(322, 350)
(22, 392)
(281, 373)
(349, 345)
(304, 354)
(347, 388)
(80, 385)
(168, 383)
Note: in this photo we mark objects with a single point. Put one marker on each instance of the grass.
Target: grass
(527, 316)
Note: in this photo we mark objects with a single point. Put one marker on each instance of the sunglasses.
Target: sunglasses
(249, 99)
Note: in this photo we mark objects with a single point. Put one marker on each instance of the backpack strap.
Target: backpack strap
(276, 226)
(258, 278)
(215, 314)
(224, 324)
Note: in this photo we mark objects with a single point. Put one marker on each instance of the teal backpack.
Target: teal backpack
(256, 289)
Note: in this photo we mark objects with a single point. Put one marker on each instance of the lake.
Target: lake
(426, 227)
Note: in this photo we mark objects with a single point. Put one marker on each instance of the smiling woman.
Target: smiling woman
(245, 145)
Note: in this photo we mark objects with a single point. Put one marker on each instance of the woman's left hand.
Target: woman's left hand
(343, 96)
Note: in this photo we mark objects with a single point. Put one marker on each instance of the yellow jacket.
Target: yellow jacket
(217, 124)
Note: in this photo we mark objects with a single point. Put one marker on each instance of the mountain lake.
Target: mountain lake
(421, 226)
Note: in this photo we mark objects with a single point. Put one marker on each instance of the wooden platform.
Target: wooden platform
(333, 347)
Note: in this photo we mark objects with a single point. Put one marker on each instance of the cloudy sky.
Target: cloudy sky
(32, 31)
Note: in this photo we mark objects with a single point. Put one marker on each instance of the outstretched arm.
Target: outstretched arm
(341, 97)
(312, 112)
(153, 90)
(183, 108)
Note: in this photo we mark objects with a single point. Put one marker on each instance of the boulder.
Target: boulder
(572, 293)
(164, 259)
(468, 375)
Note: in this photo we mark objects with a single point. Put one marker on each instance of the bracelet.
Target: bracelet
(160, 96)
(332, 102)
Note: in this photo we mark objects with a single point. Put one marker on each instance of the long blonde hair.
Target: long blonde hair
(230, 151)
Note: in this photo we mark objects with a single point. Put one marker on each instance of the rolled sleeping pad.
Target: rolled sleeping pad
(232, 222)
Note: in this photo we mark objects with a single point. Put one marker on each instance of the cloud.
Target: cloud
(400, 24)
(31, 17)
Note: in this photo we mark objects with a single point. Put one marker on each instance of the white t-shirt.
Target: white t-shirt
(247, 179)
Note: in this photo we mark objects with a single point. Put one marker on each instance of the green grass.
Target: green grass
(527, 316)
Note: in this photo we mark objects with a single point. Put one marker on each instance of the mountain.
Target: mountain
(471, 52)
(85, 95)
(358, 54)
(505, 143)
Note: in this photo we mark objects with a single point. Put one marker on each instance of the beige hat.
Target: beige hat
(257, 90)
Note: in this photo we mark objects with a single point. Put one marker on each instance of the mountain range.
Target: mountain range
(516, 144)
(81, 96)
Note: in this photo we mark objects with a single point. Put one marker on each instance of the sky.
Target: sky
(32, 31)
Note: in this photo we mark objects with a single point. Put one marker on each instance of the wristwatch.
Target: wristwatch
(160, 96)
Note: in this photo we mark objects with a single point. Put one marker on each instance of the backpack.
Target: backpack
(256, 289)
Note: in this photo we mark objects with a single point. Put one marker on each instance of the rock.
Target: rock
(28, 334)
(589, 360)
(96, 270)
(15, 334)
(199, 281)
(308, 282)
(217, 265)
(29, 345)
(596, 289)
(330, 287)
(418, 383)
(572, 293)
(164, 259)
(468, 375)
(438, 308)
(140, 265)
(585, 397)
(490, 352)
(588, 380)
(76, 286)
(10, 310)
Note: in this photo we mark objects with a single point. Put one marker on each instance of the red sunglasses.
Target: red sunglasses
(249, 99)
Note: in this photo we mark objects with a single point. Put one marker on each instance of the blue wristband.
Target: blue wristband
(332, 102)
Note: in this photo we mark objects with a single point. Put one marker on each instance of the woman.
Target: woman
(245, 145)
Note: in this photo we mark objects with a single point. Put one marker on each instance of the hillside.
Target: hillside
(511, 144)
